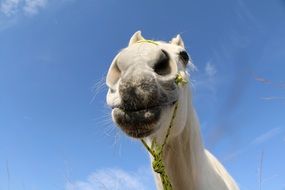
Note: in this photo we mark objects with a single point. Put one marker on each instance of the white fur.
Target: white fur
(188, 164)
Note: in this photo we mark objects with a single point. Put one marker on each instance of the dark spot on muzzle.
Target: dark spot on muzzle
(139, 92)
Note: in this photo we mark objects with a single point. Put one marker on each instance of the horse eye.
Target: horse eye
(184, 56)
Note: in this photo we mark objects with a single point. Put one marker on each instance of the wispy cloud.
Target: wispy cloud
(10, 8)
(206, 80)
(262, 80)
(32, 7)
(266, 136)
(114, 179)
(268, 98)
(210, 69)
(13, 12)
(261, 139)
(266, 81)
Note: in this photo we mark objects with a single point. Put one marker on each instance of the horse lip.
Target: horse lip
(121, 107)
(140, 109)
(139, 123)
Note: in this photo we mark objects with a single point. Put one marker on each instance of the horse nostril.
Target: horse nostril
(162, 66)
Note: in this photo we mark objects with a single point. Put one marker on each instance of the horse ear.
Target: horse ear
(177, 41)
(136, 37)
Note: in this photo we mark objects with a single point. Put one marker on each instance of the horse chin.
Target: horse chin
(139, 123)
(139, 133)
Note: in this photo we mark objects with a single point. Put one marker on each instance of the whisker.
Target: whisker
(98, 87)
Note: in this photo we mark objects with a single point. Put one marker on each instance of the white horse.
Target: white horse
(142, 94)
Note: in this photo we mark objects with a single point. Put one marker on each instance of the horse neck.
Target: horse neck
(186, 162)
(184, 156)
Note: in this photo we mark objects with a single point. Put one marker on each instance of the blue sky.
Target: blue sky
(55, 128)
